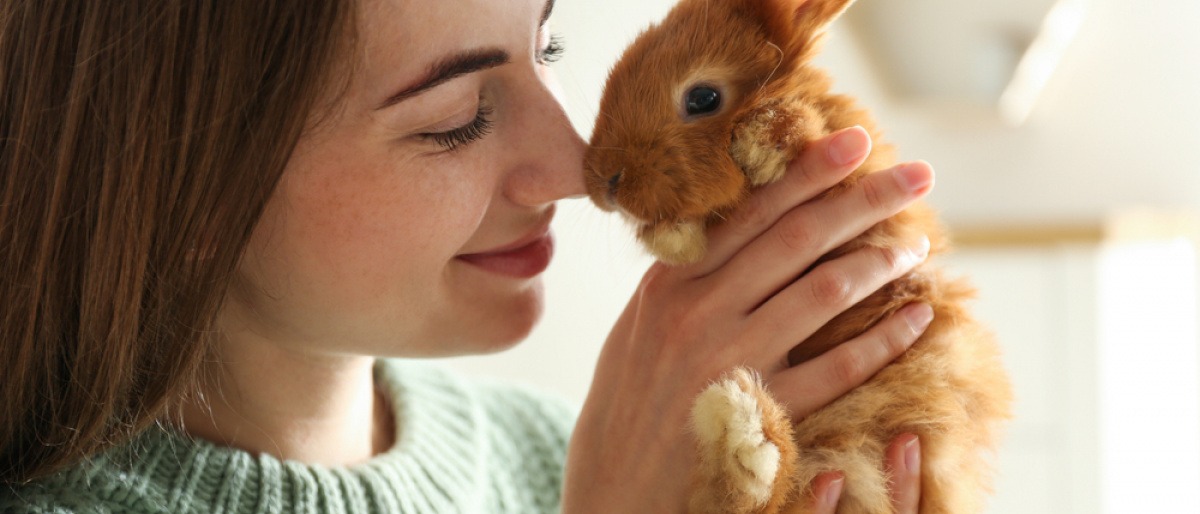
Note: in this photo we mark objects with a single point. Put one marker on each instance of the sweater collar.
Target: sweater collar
(436, 464)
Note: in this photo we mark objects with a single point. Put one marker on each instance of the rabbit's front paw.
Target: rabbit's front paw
(729, 426)
(766, 138)
(762, 144)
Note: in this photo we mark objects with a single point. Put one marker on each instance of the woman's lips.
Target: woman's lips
(524, 261)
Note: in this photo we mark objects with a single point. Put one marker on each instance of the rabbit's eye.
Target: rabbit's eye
(702, 100)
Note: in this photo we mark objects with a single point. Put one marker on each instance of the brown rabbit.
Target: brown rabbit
(715, 100)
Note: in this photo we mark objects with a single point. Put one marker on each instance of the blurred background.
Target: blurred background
(1064, 134)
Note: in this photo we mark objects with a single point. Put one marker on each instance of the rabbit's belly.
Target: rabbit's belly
(946, 390)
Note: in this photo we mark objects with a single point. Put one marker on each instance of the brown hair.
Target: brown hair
(134, 133)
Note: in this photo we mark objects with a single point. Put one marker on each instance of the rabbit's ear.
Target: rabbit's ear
(795, 23)
(812, 17)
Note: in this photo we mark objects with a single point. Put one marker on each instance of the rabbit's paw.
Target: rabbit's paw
(766, 138)
(734, 450)
(760, 144)
(681, 242)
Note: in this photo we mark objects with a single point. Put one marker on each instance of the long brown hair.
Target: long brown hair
(139, 141)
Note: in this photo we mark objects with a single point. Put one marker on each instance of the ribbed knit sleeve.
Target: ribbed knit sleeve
(462, 446)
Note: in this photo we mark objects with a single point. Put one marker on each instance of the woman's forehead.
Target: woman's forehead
(400, 39)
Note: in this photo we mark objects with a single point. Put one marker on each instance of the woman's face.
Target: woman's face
(393, 227)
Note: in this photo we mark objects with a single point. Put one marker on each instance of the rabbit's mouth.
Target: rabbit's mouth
(675, 241)
(602, 190)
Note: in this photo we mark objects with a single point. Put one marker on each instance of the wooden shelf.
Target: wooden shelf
(1123, 226)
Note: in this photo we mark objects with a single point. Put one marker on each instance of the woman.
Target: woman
(217, 215)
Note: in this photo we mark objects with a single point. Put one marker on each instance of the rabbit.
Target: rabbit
(713, 101)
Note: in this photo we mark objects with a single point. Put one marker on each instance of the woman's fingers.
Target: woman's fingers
(826, 291)
(826, 491)
(823, 164)
(818, 382)
(903, 461)
(809, 231)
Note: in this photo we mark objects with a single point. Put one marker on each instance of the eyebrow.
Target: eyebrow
(458, 65)
(546, 12)
(448, 68)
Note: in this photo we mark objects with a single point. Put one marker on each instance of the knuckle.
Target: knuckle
(895, 338)
(803, 171)
(657, 280)
(831, 289)
(752, 216)
(893, 258)
(849, 367)
(875, 194)
(795, 236)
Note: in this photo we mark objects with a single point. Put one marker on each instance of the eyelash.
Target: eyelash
(473, 131)
(553, 51)
(481, 126)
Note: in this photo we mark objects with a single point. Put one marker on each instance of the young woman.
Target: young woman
(216, 217)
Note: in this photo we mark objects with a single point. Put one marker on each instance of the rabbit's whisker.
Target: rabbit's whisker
(775, 69)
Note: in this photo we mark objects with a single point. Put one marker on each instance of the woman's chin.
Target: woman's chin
(497, 346)
(516, 324)
(504, 323)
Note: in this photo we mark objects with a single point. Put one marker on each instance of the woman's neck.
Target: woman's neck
(262, 397)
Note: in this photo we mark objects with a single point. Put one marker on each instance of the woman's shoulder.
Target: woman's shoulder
(86, 488)
(28, 502)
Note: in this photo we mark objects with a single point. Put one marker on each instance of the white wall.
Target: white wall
(1116, 126)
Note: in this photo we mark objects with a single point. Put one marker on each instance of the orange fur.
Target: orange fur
(676, 171)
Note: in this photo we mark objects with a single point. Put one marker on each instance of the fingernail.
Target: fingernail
(921, 251)
(912, 454)
(834, 492)
(915, 176)
(919, 316)
(912, 256)
(848, 146)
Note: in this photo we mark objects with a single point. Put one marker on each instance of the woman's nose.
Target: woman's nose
(550, 151)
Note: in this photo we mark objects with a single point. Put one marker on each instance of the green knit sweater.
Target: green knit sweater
(462, 446)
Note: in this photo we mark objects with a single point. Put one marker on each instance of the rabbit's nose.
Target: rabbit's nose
(612, 184)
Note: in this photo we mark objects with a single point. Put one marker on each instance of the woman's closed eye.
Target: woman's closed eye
(552, 52)
(481, 125)
(456, 138)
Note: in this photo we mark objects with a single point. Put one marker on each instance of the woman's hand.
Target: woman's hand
(903, 461)
(747, 303)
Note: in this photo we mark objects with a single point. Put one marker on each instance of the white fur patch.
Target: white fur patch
(679, 243)
(728, 423)
(762, 164)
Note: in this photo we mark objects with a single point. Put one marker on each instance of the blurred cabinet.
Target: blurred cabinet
(1099, 329)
